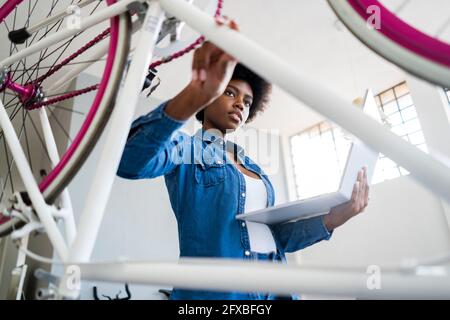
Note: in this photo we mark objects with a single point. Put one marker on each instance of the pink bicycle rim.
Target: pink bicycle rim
(404, 34)
(93, 110)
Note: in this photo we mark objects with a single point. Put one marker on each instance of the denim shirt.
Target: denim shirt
(206, 192)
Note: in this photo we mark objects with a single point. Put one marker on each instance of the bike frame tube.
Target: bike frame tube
(432, 173)
(66, 203)
(243, 276)
(39, 204)
(108, 12)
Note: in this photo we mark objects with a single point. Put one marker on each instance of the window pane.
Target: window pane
(401, 89)
(405, 101)
(423, 147)
(316, 160)
(387, 163)
(377, 99)
(390, 108)
(395, 119)
(391, 173)
(399, 130)
(412, 126)
(403, 171)
(417, 138)
(387, 96)
(324, 126)
(314, 131)
(409, 113)
(378, 174)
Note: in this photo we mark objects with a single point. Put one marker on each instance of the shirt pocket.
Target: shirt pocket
(209, 174)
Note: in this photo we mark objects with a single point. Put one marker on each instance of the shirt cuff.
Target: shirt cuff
(327, 234)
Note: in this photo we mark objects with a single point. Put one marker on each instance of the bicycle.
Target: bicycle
(47, 199)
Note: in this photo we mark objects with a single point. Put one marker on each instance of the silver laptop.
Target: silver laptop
(360, 155)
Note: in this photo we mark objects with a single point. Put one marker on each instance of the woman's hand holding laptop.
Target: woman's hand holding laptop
(358, 202)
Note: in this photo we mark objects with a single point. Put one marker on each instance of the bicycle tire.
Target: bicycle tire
(397, 41)
(99, 113)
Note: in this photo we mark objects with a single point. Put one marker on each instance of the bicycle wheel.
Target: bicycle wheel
(401, 43)
(24, 86)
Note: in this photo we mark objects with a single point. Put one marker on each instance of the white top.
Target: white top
(261, 238)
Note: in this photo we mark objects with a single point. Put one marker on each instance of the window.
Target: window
(319, 153)
(399, 113)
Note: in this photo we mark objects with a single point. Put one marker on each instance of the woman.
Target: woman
(210, 180)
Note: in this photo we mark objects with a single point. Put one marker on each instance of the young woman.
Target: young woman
(210, 180)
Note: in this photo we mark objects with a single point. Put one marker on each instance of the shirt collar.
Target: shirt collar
(215, 137)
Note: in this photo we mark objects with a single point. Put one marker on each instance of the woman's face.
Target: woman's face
(231, 109)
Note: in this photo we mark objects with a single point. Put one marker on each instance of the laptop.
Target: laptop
(360, 155)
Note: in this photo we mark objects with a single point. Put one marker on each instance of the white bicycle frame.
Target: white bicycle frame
(426, 282)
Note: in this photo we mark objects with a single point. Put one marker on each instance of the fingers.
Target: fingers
(201, 61)
(222, 20)
(359, 199)
(366, 189)
(355, 197)
(362, 197)
(362, 187)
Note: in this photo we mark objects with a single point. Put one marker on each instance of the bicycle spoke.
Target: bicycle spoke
(40, 139)
(60, 125)
(9, 171)
(64, 50)
(67, 109)
(47, 30)
(36, 65)
(73, 63)
(15, 112)
(6, 104)
(8, 166)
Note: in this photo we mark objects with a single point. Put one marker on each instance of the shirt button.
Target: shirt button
(243, 224)
(243, 194)
(247, 253)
